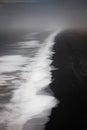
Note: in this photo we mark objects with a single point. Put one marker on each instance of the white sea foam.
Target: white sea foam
(29, 44)
(26, 104)
(11, 63)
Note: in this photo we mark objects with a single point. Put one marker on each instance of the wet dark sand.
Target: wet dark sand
(69, 87)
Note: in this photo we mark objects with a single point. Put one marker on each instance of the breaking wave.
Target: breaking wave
(29, 102)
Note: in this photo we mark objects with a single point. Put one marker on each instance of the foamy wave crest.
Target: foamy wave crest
(27, 103)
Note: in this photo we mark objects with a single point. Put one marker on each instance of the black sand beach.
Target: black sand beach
(70, 82)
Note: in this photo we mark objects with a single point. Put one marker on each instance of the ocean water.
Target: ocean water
(26, 100)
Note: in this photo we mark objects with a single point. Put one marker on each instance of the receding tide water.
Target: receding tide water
(26, 100)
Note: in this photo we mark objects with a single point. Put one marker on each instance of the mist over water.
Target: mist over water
(26, 79)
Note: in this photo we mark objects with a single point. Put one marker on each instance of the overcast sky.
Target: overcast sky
(49, 14)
